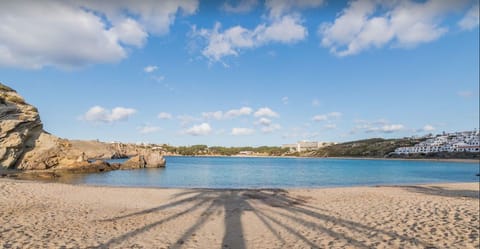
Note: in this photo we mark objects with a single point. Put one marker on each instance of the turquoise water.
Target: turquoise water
(233, 172)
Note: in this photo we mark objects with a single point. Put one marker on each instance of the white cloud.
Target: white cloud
(244, 111)
(265, 112)
(280, 7)
(267, 126)
(428, 128)
(233, 113)
(369, 23)
(129, 31)
(232, 41)
(164, 115)
(471, 18)
(100, 114)
(285, 100)
(147, 129)
(242, 6)
(242, 131)
(213, 115)
(271, 128)
(264, 121)
(320, 118)
(199, 130)
(79, 33)
(328, 116)
(150, 69)
(390, 128)
(283, 24)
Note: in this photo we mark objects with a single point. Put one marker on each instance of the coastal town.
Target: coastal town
(467, 141)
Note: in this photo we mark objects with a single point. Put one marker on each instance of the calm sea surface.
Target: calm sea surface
(233, 172)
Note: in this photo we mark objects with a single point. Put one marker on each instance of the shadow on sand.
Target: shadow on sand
(444, 192)
(272, 207)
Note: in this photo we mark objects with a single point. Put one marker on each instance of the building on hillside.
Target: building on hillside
(301, 146)
(467, 141)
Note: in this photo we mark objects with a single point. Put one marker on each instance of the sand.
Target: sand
(54, 215)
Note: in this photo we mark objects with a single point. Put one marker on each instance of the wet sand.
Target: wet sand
(55, 215)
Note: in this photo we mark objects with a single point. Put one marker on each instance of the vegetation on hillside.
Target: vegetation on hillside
(374, 147)
(200, 149)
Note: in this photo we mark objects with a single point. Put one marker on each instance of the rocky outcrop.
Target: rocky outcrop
(25, 145)
(21, 131)
(147, 159)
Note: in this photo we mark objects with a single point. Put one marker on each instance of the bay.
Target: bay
(242, 172)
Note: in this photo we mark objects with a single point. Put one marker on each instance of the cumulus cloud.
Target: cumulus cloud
(164, 115)
(79, 33)
(242, 131)
(147, 129)
(264, 121)
(265, 112)
(99, 114)
(242, 6)
(328, 116)
(244, 111)
(150, 69)
(213, 115)
(471, 18)
(364, 24)
(283, 24)
(233, 113)
(232, 41)
(199, 130)
(267, 126)
(279, 7)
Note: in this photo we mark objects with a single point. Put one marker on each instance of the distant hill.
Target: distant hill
(374, 147)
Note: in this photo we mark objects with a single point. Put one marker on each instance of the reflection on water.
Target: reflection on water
(233, 172)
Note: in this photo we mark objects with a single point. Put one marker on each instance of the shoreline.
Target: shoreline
(52, 215)
(459, 160)
(186, 188)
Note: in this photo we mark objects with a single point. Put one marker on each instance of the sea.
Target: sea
(256, 172)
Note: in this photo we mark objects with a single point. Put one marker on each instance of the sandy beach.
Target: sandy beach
(54, 215)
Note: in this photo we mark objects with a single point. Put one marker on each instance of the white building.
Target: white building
(467, 141)
(306, 146)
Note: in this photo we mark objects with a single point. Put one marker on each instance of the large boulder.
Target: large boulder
(147, 159)
(135, 162)
(154, 159)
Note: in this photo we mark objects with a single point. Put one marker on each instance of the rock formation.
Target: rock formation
(146, 159)
(25, 145)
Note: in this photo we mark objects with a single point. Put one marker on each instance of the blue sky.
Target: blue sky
(244, 72)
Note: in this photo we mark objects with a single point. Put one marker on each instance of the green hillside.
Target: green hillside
(374, 147)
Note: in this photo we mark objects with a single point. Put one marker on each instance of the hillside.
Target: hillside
(374, 147)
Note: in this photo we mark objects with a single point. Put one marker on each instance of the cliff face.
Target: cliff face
(25, 145)
(23, 142)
